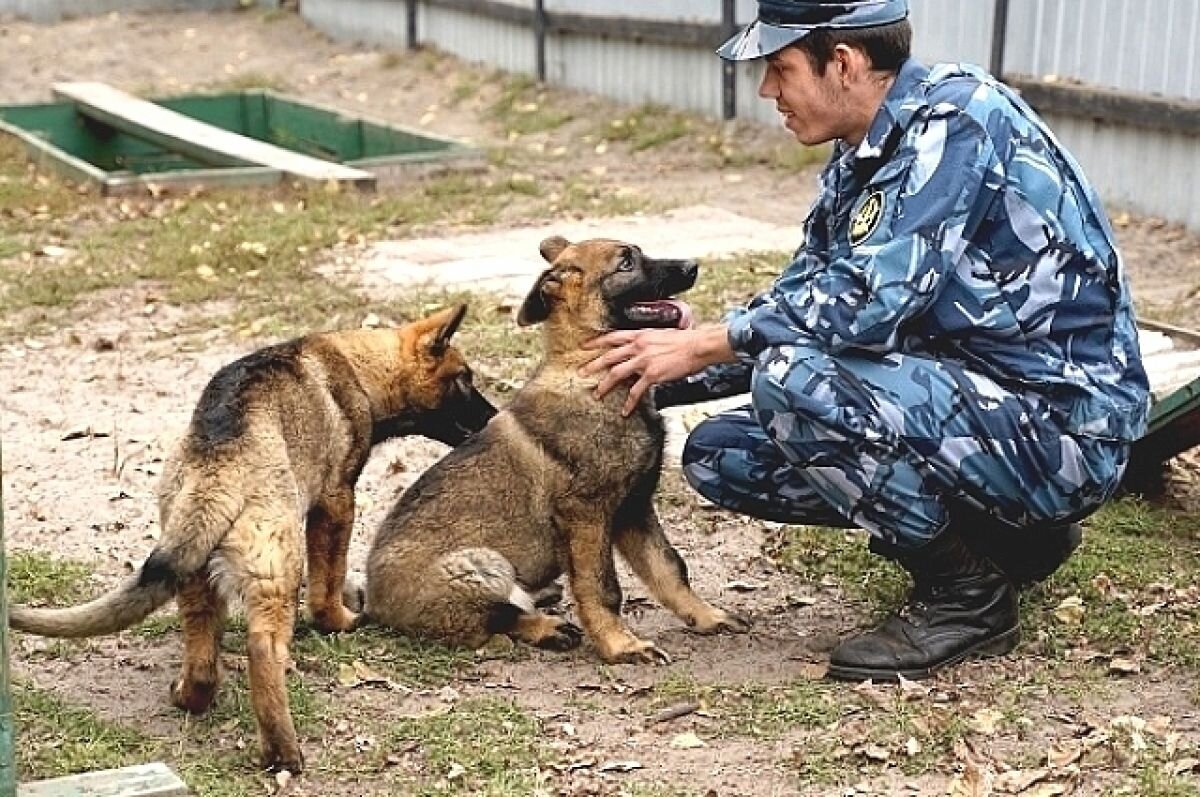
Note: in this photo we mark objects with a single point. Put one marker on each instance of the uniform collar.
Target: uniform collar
(898, 108)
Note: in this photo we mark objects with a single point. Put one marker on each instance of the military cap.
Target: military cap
(784, 22)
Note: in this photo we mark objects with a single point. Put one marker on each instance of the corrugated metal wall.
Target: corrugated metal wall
(55, 10)
(1107, 43)
(380, 22)
(485, 41)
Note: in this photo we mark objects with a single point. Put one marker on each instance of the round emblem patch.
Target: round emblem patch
(867, 219)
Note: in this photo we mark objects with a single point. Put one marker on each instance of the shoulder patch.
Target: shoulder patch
(867, 219)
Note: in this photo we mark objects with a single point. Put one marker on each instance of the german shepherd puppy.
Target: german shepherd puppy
(553, 483)
(263, 479)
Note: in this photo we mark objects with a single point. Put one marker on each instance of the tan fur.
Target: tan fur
(261, 484)
(553, 484)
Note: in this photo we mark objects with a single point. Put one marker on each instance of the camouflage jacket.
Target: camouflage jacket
(958, 229)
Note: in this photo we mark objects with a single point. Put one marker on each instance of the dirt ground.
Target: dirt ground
(85, 430)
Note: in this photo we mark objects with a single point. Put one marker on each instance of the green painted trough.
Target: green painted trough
(125, 144)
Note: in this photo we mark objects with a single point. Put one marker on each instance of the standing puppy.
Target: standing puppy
(263, 479)
(552, 485)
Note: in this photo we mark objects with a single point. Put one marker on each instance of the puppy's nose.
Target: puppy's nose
(690, 267)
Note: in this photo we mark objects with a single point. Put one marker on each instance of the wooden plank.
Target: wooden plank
(191, 137)
(145, 780)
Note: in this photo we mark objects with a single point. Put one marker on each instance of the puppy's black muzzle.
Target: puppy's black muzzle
(459, 417)
(666, 278)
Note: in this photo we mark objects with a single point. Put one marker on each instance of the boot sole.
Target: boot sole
(988, 648)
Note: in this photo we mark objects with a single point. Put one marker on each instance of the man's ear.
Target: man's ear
(552, 247)
(536, 307)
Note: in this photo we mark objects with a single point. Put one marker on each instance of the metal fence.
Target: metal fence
(1118, 79)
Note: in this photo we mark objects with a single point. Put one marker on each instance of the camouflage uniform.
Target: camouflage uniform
(956, 330)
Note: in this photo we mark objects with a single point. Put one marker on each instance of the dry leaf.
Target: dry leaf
(912, 747)
(1060, 756)
(1120, 666)
(687, 741)
(456, 771)
(973, 782)
(1016, 781)
(1046, 790)
(620, 766)
(1070, 611)
(986, 721)
(875, 753)
(743, 586)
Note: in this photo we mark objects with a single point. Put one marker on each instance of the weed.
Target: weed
(38, 578)
(481, 746)
(522, 108)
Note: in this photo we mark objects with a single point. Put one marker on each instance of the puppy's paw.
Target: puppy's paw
(635, 651)
(719, 620)
(194, 697)
(566, 636)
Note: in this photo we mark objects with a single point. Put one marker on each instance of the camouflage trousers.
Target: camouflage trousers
(896, 444)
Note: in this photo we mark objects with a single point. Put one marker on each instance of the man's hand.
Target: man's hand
(655, 356)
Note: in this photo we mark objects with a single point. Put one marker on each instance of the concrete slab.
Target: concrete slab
(507, 261)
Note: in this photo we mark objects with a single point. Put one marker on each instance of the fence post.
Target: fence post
(728, 68)
(999, 37)
(8, 773)
(410, 24)
(539, 37)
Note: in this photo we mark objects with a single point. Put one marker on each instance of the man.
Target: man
(950, 361)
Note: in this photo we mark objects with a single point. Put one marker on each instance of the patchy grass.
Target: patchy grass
(40, 579)
(524, 107)
(54, 738)
(1135, 574)
(256, 248)
(751, 710)
(818, 555)
(647, 127)
(411, 662)
(481, 746)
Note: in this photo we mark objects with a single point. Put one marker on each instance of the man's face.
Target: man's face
(812, 105)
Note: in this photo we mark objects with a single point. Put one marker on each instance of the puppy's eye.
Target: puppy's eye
(626, 262)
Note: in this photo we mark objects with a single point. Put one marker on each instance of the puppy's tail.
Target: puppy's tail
(184, 550)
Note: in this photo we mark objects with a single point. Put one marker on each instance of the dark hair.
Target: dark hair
(887, 46)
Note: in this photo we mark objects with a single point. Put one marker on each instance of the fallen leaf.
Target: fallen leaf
(743, 586)
(687, 741)
(1121, 666)
(620, 766)
(1060, 756)
(1016, 781)
(1185, 765)
(1046, 790)
(1070, 611)
(986, 721)
(875, 753)
(456, 771)
(912, 747)
(972, 782)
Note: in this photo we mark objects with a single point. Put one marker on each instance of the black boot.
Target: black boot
(961, 606)
(1028, 556)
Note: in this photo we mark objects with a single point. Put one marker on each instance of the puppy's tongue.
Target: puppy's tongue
(662, 313)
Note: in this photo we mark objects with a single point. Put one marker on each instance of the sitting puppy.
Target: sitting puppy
(263, 479)
(553, 483)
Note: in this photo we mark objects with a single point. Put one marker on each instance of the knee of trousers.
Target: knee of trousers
(786, 379)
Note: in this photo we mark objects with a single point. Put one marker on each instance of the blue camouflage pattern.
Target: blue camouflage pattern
(956, 327)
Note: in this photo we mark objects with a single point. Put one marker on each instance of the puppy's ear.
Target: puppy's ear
(442, 340)
(552, 247)
(435, 331)
(536, 307)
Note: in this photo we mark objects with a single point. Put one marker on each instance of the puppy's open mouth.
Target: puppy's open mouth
(661, 314)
